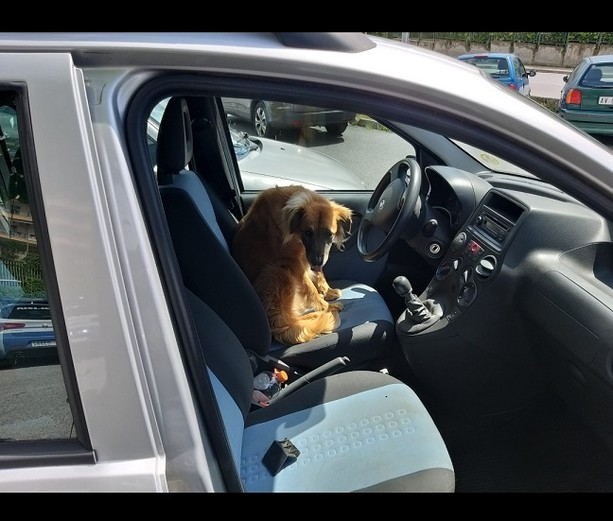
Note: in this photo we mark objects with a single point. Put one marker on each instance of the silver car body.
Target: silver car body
(119, 329)
(260, 167)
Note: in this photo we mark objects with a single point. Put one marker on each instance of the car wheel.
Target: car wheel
(260, 119)
(336, 129)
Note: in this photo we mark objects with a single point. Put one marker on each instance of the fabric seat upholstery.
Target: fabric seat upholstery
(367, 330)
(356, 431)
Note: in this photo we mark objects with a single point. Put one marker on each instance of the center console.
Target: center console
(462, 352)
(470, 264)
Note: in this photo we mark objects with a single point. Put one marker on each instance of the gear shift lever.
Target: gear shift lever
(418, 311)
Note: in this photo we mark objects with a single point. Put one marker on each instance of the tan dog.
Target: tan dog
(282, 244)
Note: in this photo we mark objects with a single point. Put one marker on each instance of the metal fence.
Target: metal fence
(18, 280)
(561, 39)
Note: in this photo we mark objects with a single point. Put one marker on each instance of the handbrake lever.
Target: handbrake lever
(323, 370)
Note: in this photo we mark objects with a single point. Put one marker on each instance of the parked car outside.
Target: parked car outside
(26, 332)
(263, 161)
(586, 100)
(507, 68)
(498, 370)
(269, 117)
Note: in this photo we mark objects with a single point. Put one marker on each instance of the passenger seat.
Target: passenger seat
(357, 431)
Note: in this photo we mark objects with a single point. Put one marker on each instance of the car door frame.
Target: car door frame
(107, 346)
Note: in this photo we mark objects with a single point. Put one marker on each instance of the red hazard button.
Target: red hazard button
(473, 250)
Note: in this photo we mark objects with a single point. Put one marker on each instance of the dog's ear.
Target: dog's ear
(293, 219)
(292, 215)
(343, 220)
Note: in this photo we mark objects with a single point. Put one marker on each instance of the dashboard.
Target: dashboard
(524, 292)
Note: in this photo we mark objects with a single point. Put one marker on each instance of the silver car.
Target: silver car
(474, 348)
(268, 118)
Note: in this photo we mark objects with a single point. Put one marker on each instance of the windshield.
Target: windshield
(493, 162)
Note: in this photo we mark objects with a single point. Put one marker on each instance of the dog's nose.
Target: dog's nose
(318, 261)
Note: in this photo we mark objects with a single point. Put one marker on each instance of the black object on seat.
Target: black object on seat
(358, 431)
(367, 329)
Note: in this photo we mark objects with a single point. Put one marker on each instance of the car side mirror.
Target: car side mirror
(565, 78)
(532, 73)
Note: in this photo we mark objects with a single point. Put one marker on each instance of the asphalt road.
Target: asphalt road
(34, 404)
(547, 84)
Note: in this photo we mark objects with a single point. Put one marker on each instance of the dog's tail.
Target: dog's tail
(292, 330)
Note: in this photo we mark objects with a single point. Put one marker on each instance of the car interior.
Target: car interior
(481, 310)
(366, 329)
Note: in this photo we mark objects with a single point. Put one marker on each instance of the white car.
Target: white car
(475, 346)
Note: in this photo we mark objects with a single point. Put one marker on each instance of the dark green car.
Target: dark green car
(587, 96)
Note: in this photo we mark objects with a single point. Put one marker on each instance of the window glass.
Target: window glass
(600, 75)
(320, 148)
(34, 399)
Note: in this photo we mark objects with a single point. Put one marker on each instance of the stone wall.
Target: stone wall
(542, 55)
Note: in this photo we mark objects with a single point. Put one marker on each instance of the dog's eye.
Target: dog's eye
(308, 233)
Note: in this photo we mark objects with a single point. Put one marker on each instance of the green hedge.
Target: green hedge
(533, 38)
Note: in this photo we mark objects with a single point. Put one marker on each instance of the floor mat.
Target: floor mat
(544, 450)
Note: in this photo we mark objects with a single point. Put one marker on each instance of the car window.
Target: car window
(34, 399)
(598, 75)
(320, 148)
(495, 67)
(319, 161)
(26, 309)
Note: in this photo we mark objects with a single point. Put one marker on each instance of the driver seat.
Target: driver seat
(196, 215)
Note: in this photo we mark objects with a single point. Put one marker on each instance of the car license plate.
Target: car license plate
(605, 100)
(44, 343)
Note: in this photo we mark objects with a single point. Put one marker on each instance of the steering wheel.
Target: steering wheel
(391, 207)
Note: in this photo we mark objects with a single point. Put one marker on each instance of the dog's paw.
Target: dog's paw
(337, 306)
(332, 294)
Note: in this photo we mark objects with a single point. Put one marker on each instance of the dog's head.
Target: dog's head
(318, 223)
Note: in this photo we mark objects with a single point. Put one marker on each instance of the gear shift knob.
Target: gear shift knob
(402, 286)
(416, 308)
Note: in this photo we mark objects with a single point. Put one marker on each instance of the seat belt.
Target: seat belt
(204, 133)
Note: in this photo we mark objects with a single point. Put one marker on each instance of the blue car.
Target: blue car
(506, 68)
(26, 346)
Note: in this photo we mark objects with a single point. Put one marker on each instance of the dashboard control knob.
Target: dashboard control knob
(467, 295)
(443, 270)
(429, 228)
(486, 266)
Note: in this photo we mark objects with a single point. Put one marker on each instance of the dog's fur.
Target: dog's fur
(282, 243)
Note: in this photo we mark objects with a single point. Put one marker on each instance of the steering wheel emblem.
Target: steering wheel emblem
(381, 204)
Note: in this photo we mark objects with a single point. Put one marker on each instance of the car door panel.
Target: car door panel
(57, 136)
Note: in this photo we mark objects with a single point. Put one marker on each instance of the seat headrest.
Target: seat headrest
(175, 143)
(593, 76)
